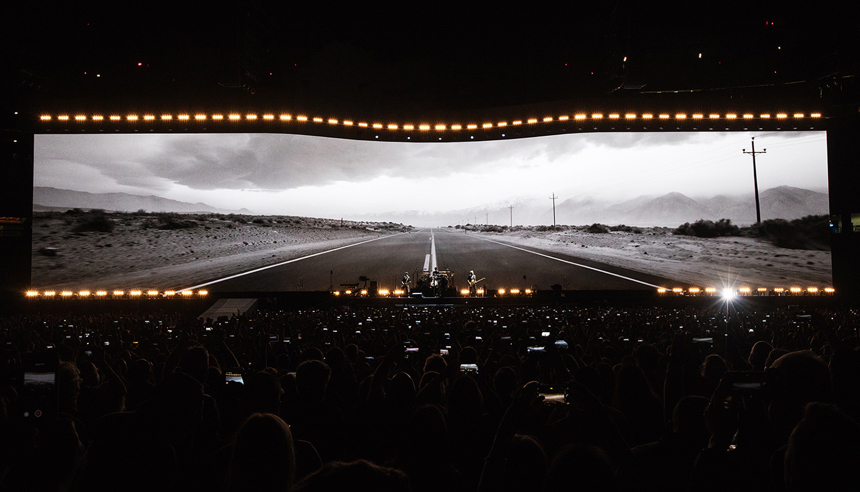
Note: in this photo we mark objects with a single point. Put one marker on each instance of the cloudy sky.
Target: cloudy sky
(326, 177)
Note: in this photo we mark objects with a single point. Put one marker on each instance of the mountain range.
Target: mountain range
(669, 210)
(47, 198)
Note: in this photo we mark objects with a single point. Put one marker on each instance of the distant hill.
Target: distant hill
(47, 198)
(669, 210)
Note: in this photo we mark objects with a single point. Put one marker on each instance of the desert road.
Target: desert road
(385, 259)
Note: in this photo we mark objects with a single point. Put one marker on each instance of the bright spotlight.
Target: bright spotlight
(728, 294)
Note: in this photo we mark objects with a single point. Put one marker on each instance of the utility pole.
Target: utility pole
(755, 180)
(553, 197)
(512, 215)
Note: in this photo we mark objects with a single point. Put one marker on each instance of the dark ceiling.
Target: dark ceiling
(413, 58)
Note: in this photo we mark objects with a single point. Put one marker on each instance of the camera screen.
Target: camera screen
(234, 377)
(39, 378)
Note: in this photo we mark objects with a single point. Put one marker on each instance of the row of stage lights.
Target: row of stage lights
(401, 293)
(286, 118)
(115, 294)
(747, 291)
(677, 291)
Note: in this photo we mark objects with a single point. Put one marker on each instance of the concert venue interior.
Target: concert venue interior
(273, 247)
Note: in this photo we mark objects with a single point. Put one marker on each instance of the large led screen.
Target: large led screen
(280, 212)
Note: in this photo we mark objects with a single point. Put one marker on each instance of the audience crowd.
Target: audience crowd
(433, 398)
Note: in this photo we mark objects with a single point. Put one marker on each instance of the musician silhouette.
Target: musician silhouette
(404, 283)
(473, 283)
(438, 281)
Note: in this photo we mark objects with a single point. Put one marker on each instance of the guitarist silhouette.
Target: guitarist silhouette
(473, 282)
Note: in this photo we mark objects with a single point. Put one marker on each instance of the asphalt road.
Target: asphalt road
(386, 259)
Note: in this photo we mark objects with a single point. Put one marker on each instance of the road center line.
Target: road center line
(289, 261)
(570, 262)
(433, 250)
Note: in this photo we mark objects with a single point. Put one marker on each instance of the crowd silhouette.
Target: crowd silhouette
(433, 398)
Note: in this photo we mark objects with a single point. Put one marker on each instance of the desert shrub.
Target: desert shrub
(597, 228)
(625, 228)
(810, 232)
(708, 228)
(168, 221)
(544, 228)
(259, 220)
(94, 221)
(493, 228)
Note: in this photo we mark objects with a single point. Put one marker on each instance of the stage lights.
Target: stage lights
(114, 294)
(272, 118)
(746, 291)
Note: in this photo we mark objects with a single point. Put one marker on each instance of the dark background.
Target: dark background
(413, 57)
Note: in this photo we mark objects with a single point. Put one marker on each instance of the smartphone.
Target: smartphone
(469, 368)
(234, 377)
(38, 391)
(552, 394)
(443, 351)
(748, 382)
(534, 349)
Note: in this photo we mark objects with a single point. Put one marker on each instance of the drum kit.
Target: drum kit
(435, 283)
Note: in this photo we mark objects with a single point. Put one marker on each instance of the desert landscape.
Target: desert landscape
(102, 250)
(93, 249)
(706, 262)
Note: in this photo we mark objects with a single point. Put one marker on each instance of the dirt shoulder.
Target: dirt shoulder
(152, 251)
(716, 262)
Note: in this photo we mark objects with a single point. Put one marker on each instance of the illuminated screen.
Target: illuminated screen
(281, 212)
